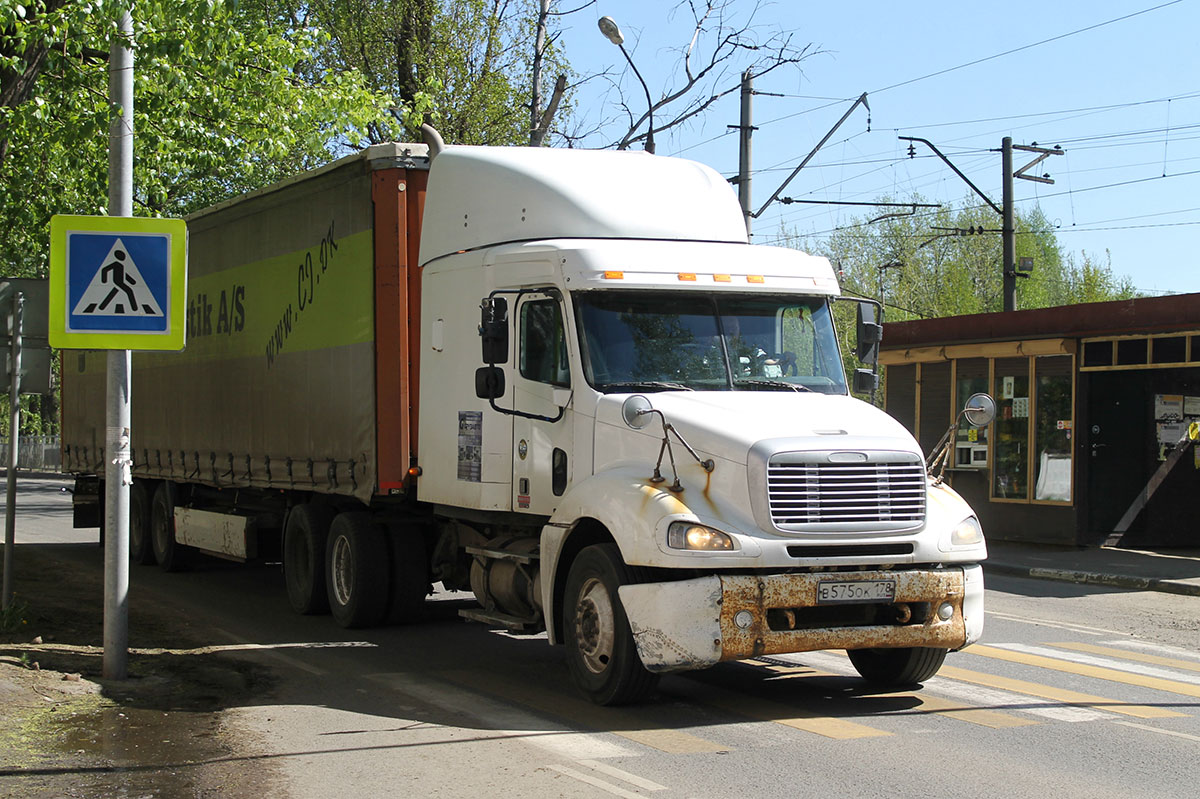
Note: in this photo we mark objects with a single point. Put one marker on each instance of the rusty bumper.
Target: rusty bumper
(700, 622)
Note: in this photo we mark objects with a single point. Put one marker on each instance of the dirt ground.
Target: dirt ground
(67, 732)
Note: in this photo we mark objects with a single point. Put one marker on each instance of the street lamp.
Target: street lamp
(612, 32)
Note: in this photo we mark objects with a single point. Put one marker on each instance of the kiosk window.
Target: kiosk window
(1010, 473)
(1053, 431)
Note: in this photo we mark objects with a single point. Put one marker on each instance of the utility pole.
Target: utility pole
(1008, 232)
(745, 131)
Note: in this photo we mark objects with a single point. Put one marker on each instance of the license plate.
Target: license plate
(858, 591)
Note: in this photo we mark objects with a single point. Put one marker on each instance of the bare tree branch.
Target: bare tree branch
(722, 46)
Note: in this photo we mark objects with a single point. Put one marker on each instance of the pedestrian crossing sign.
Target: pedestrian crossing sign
(117, 283)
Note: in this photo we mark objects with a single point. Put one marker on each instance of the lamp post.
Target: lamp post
(612, 32)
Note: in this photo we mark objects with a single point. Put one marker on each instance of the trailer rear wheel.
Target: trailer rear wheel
(141, 549)
(897, 667)
(600, 650)
(304, 539)
(356, 557)
(171, 556)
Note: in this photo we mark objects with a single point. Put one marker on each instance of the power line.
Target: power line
(1026, 47)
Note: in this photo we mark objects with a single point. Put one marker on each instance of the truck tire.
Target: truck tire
(357, 566)
(897, 667)
(410, 574)
(171, 556)
(304, 539)
(141, 549)
(601, 653)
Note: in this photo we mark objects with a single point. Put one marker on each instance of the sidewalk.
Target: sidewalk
(1169, 571)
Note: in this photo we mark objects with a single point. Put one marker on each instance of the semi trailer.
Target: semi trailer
(562, 380)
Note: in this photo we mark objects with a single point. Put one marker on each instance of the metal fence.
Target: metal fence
(40, 453)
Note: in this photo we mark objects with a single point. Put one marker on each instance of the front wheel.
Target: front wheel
(897, 667)
(600, 650)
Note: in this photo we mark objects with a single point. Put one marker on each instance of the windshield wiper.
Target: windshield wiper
(661, 385)
(753, 381)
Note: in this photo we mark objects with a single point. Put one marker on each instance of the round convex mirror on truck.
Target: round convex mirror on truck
(980, 410)
(635, 411)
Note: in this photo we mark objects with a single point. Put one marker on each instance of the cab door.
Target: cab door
(542, 449)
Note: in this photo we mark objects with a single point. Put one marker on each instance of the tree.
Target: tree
(466, 66)
(225, 101)
(724, 41)
(947, 262)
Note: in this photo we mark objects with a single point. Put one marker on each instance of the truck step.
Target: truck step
(500, 554)
(514, 624)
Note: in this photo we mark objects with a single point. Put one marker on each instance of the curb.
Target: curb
(1180, 587)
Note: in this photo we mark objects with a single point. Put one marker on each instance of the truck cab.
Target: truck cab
(660, 434)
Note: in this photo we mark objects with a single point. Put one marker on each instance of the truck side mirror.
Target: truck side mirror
(489, 382)
(868, 334)
(865, 381)
(493, 329)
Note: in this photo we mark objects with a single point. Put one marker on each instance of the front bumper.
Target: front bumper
(692, 624)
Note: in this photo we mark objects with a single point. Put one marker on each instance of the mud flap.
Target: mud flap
(676, 626)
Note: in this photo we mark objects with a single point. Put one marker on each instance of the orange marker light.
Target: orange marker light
(687, 276)
(614, 275)
(755, 279)
(722, 278)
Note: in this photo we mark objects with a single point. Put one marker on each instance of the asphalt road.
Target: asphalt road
(1076, 691)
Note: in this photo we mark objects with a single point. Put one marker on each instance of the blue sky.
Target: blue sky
(1116, 84)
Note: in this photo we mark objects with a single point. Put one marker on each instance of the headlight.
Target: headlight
(697, 537)
(967, 533)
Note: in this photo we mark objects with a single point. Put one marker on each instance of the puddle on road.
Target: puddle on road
(135, 752)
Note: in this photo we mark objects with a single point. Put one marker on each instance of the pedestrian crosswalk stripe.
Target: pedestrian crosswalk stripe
(1055, 709)
(960, 707)
(1008, 701)
(1056, 694)
(1141, 657)
(788, 715)
(1147, 646)
(628, 724)
(972, 714)
(1086, 669)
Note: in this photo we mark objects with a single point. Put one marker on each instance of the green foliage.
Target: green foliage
(12, 619)
(942, 273)
(225, 101)
(465, 66)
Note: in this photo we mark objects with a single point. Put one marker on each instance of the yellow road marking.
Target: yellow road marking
(627, 724)
(1158, 660)
(1055, 694)
(788, 716)
(1084, 670)
(928, 703)
(974, 715)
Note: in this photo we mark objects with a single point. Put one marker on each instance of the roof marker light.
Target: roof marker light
(722, 279)
(614, 275)
(687, 276)
(755, 279)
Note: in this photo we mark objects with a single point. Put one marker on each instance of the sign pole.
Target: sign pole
(14, 437)
(117, 470)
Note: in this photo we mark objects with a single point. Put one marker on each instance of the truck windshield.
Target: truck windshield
(655, 341)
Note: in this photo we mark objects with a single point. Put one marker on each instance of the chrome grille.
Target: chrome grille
(806, 493)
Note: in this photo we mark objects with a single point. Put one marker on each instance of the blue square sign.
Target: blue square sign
(117, 283)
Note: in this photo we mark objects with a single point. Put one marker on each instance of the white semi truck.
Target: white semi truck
(560, 379)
